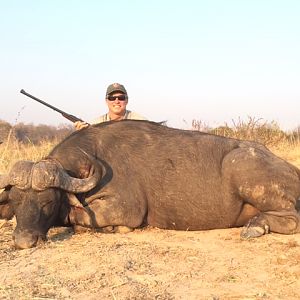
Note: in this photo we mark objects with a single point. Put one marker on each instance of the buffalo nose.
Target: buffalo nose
(25, 240)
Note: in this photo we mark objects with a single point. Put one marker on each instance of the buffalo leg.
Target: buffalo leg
(247, 213)
(109, 215)
(285, 222)
(267, 183)
(109, 229)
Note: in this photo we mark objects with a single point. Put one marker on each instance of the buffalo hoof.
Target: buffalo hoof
(249, 232)
(123, 229)
(107, 229)
(116, 229)
(80, 229)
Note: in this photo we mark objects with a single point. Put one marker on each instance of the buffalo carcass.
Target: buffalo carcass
(136, 173)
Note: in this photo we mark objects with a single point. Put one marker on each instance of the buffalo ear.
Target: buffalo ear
(6, 210)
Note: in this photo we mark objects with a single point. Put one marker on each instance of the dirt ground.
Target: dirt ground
(151, 264)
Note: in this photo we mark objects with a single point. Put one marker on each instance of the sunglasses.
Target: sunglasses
(113, 98)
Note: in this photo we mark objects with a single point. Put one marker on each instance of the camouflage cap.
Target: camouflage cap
(115, 87)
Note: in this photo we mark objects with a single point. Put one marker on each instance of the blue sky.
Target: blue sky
(212, 60)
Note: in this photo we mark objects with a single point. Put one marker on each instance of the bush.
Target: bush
(5, 129)
(33, 134)
(267, 133)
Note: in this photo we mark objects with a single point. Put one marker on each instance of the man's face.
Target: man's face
(116, 103)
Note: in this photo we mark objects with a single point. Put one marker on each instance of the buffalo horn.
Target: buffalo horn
(19, 175)
(2, 195)
(47, 173)
(73, 200)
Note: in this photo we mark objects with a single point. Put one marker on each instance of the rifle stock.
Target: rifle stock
(63, 113)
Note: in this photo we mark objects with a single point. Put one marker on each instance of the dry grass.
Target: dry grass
(289, 150)
(281, 143)
(252, 129)
(284, 144)
(11, 151)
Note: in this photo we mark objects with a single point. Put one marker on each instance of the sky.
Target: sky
(214, 61)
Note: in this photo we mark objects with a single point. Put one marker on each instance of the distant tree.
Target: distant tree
(34, 134)
(5, 128)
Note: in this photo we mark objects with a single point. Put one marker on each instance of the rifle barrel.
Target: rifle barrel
(66, 115)
(43, 102)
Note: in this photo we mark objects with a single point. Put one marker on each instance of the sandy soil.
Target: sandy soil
(151, 264)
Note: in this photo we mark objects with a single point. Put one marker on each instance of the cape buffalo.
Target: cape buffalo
(136, 173)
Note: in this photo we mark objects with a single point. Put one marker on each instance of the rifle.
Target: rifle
(64, 114)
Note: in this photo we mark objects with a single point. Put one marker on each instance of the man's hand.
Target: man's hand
(80, 125)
